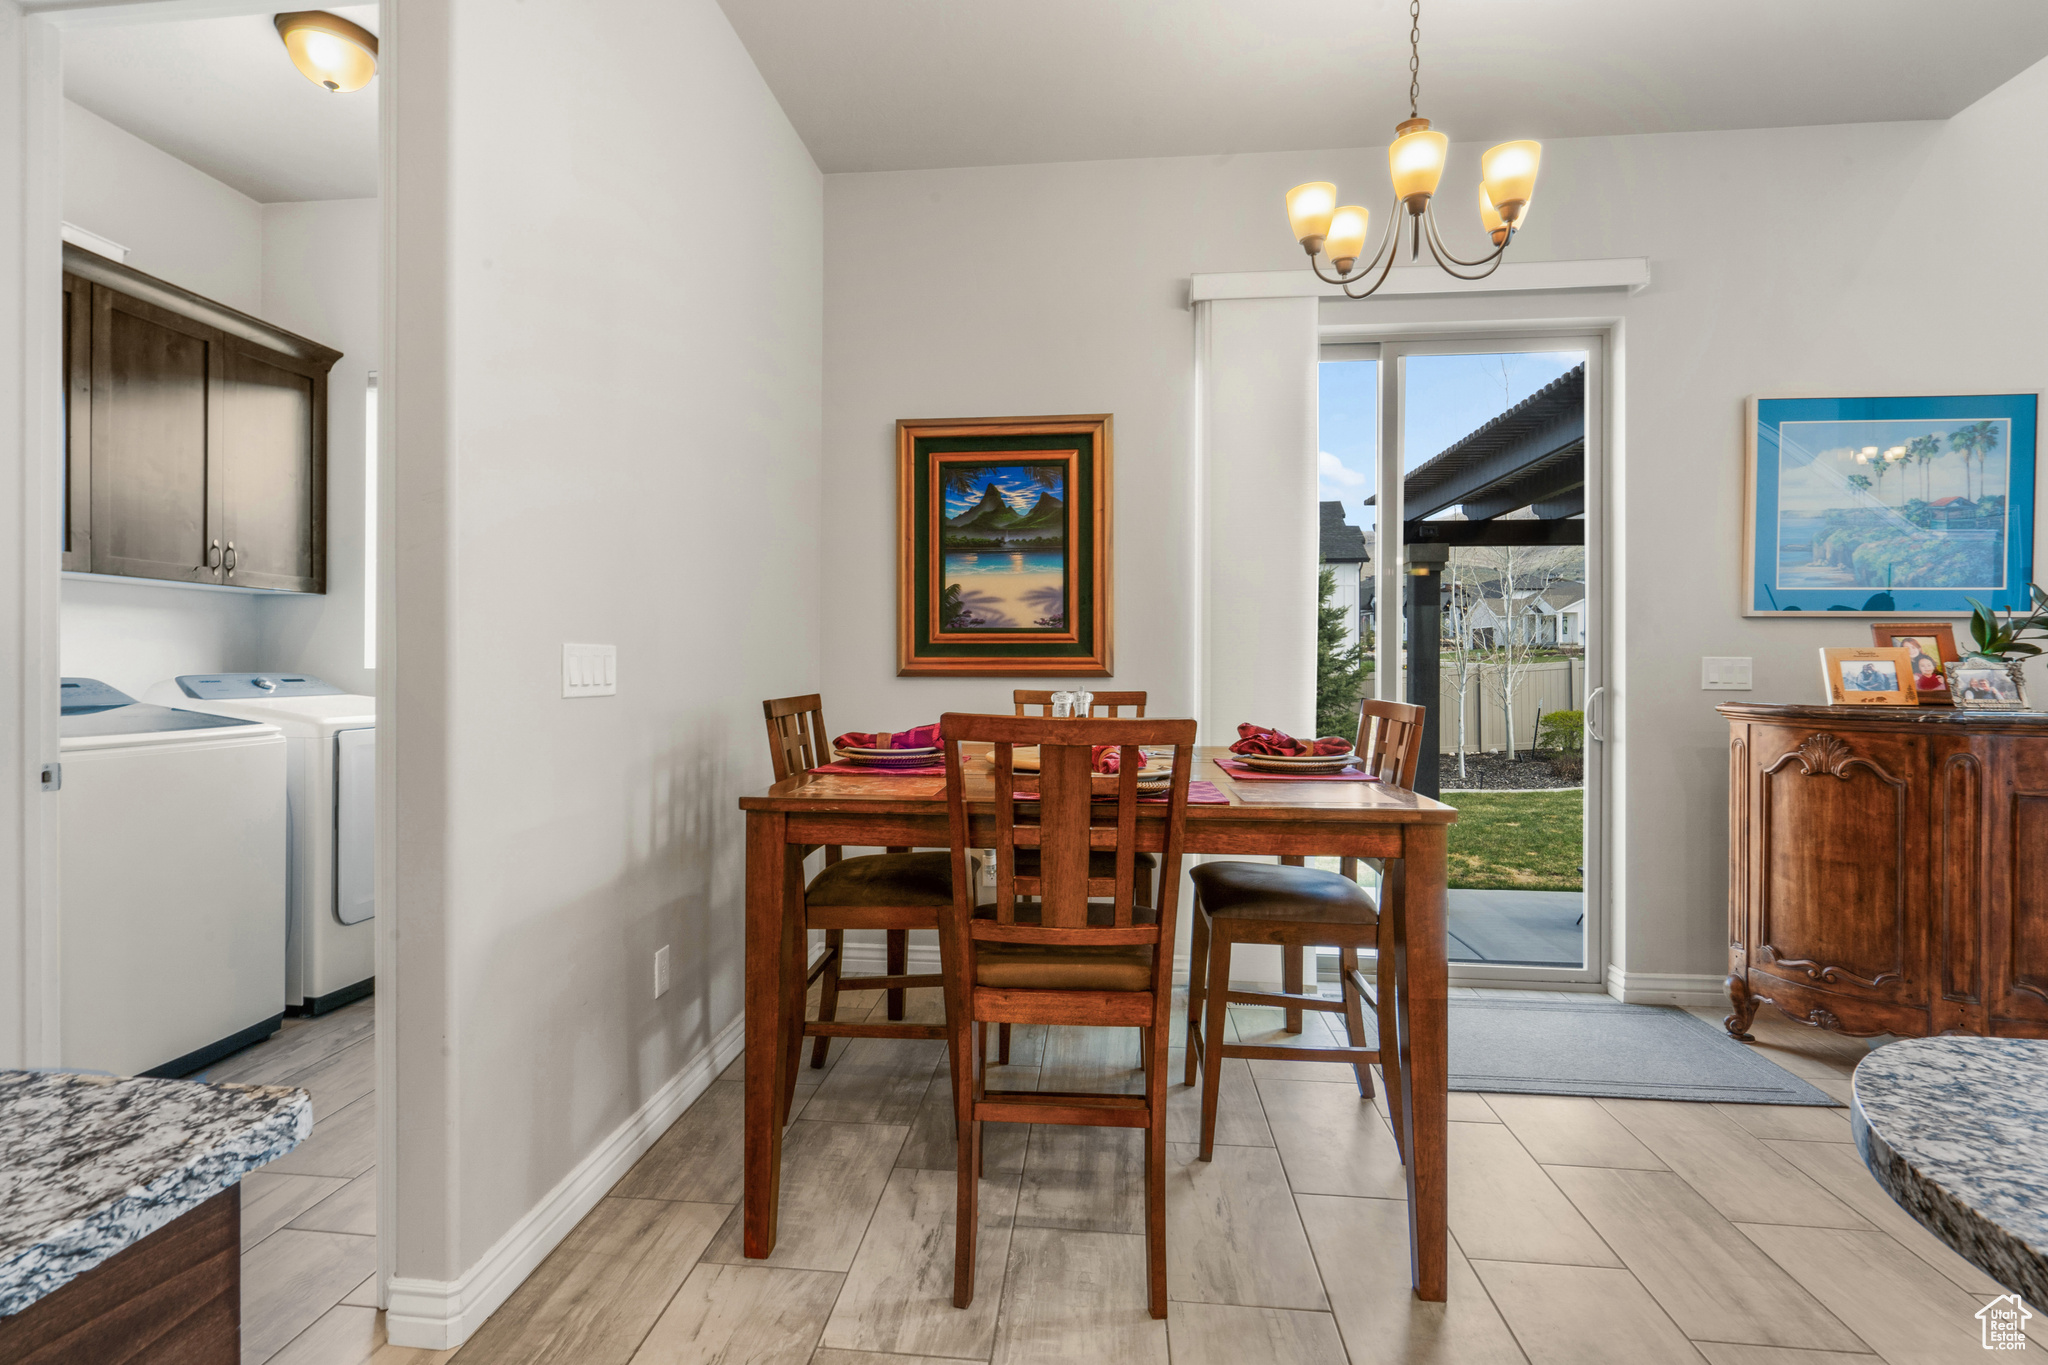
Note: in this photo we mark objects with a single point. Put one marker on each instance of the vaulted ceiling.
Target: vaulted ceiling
(904, 84)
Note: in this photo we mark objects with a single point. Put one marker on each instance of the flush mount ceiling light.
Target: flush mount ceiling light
(1416, 158)
(328, 49)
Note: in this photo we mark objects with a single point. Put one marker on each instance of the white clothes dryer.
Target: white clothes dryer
(331, 738)
(171, 827)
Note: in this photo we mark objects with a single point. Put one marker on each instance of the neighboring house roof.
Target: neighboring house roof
(1340, 541)
(1556, 598)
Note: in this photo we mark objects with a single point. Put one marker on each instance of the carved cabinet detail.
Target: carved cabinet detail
(1888, 873)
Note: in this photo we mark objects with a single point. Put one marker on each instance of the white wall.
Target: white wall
(178, 223)
(1878, 257)
(320, 279)
(604, 395)
(310, 268)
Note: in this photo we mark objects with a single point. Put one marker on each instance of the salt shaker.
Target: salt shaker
(1063, 703)
(1084, 704)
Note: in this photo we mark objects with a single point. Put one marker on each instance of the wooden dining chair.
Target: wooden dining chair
(1301, 907)
(1082, 950)
(895, 892)
(1104, 703)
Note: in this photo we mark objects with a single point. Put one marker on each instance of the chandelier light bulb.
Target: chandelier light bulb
(1308, 210)
(1490, 219)
(1346, 240)
(1416, 159)
(1509, 173)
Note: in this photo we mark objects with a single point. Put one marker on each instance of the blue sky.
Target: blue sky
(1448, 397)
(1017, 485)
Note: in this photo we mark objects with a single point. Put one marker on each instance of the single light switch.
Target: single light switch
(1724, 675)
(590, 670)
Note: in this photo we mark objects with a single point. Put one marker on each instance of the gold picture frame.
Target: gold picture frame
(1004, 563)
(1868, 677)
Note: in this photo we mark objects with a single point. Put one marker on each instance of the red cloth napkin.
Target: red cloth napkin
(1105, 758)
(923, 737)
(1257, 739)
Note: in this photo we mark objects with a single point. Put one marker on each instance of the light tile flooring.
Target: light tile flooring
(1582, 1231)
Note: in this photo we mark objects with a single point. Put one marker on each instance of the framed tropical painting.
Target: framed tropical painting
(1003, 564)
(1881, 506)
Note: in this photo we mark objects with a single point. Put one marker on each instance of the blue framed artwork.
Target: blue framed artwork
(1882, 506)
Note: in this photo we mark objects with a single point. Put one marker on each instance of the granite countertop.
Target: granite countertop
(1956, 1130)
(90, 1165)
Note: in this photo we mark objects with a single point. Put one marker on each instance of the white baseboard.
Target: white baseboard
(441, 1314)
(1665, 988)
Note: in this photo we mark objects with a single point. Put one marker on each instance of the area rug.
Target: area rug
(1615, 1051)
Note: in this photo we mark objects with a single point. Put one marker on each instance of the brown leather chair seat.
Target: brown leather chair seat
(1270, 891)
(885, 879)
(1080, 967)
(1101, 863)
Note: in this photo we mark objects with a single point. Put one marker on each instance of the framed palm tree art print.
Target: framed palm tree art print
(1877, 506)
(1003, 564)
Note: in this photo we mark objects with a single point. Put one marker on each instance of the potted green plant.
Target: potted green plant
(2005, 639)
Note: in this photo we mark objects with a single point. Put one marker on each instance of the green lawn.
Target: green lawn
(1526, 841)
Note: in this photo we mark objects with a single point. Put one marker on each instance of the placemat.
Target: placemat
(1240, 773)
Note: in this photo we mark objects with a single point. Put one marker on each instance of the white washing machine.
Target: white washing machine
(172, 922)
(332, 739)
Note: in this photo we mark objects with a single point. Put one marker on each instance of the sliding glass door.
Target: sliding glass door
(1477, 504)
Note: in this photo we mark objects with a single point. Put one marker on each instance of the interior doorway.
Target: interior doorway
(220, 211)
(1459, 482)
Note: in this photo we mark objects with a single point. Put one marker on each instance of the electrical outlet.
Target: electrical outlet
(1724, 675)
(661, 971)
(590, 670)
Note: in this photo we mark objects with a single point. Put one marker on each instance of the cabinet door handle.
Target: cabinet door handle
(213, 555)
(231, 559)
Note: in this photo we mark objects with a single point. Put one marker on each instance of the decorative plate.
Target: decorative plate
(1313, 764)
(891, 758)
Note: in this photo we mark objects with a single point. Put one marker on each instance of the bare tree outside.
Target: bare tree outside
(1464, 585)
(1511, 581)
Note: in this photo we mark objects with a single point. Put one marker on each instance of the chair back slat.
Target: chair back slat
(1066, 795)
(796, 734)
(1390, 740)
(1066, 823)
(1104, 703)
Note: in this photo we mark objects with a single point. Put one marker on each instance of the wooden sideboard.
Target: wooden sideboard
(1888, 869)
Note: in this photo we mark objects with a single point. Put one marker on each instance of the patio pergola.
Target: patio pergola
(1531, 456)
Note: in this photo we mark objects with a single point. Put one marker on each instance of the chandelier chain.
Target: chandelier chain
(1414, 55)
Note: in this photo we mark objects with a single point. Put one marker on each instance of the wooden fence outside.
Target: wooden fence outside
(1540, 688)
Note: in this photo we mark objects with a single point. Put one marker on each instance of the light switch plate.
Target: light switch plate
(1724, 675)
(590, 670)
(661, 971)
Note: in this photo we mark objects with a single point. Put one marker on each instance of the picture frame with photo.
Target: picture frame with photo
(1984, 684)
(1868, 677)
(1929, 646)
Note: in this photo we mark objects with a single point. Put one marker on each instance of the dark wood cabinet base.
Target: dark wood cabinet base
(173, 1298)
(1888, 869)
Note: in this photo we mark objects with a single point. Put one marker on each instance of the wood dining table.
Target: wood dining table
(1288, 819)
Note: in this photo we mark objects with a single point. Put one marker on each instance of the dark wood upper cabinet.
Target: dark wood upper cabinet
(195, 436)
(77, 423)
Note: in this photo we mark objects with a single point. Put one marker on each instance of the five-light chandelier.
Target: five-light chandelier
(1507, 183)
